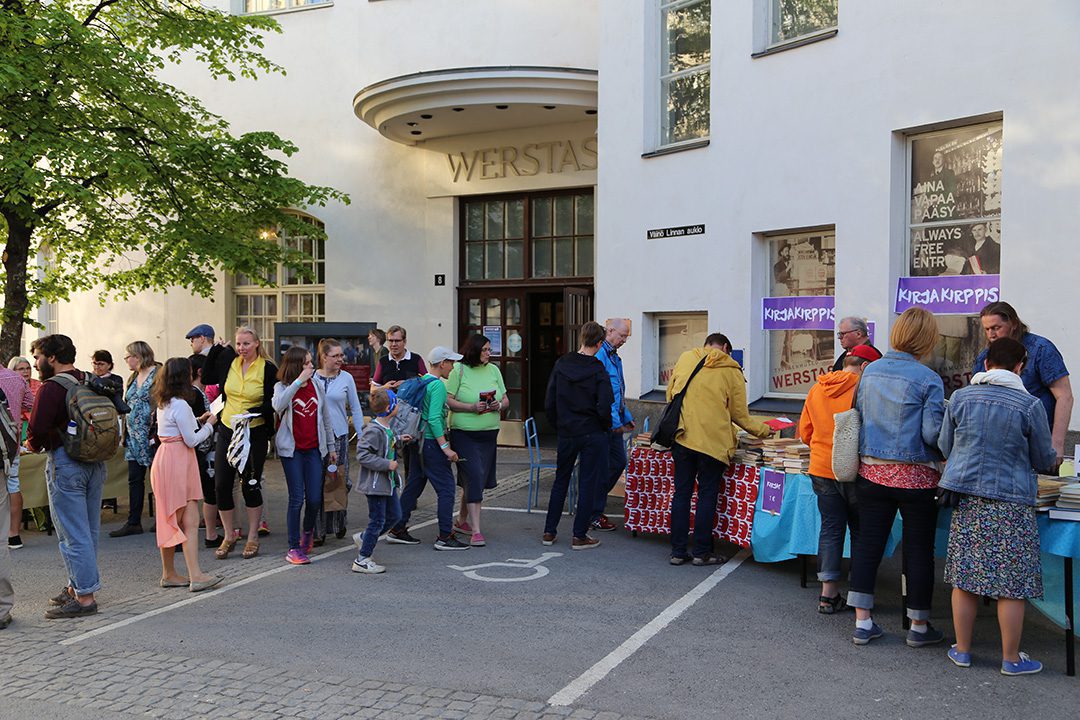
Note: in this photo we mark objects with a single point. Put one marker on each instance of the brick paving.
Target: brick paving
(134, 683)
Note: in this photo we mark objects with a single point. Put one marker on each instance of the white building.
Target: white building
(507, 160)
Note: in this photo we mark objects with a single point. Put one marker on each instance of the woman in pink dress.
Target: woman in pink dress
(174, 475)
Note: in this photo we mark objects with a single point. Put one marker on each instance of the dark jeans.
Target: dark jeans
(839, 511)
(435, 469)
(304, 479)
(136, 491)
(225, 474)
(383, 510)
(616, 463)
(691, 465)
(593, 451)
(209, 490)
(877, 505)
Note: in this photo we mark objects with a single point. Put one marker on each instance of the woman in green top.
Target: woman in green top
(477, 396)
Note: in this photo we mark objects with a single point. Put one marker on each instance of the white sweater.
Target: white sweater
(176, 418)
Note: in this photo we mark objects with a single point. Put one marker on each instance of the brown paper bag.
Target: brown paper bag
(335, 494)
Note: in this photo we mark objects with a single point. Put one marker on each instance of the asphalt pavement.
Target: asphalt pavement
(511, 630)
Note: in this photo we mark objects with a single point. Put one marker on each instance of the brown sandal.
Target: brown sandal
(224, 548)
(251, 549)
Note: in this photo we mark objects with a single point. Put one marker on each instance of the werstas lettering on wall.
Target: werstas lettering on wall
(541, 158)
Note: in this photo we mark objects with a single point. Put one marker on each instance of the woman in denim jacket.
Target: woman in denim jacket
(994, 434)
(901, 402)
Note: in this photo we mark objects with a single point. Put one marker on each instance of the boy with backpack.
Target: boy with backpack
(77, 428)
(378, 477)
(430, 452)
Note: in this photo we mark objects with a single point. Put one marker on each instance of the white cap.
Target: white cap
(440, 353)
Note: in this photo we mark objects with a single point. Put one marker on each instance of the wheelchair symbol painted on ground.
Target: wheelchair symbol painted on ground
(535, 567)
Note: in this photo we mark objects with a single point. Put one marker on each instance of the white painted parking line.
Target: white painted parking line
(212, 593)
(581, 684)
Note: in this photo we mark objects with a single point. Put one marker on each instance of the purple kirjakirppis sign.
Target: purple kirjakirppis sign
(948, 294)
(772, 490)
(809, 312)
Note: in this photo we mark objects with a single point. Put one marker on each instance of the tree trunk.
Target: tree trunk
(16, 254)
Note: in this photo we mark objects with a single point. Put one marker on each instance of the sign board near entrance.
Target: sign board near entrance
(538, 158)
(671, 232)
(494, 335)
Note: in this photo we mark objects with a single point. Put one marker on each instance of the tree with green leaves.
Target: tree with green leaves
(114, 181)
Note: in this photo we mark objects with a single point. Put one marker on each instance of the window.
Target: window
(802, 264)
(685, 37)
(534, 237)
(251, 7)
(291, 297)
(791, 20)
(675, 334)
(954, 227)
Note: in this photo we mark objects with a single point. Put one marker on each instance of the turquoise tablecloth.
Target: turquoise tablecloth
(794, 532)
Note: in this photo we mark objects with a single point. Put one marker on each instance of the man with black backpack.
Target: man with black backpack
(70, 425)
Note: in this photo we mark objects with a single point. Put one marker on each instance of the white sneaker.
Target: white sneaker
(367, 565)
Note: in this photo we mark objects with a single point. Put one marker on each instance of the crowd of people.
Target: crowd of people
(204, 423)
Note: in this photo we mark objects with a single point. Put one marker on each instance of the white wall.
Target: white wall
(388, 244)
(809, 137)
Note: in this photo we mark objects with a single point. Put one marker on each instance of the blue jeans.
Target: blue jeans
(616, 463)
(877, 506)
(593, 449)
(303, 476)
(691, 465)
(384, 511)
(429, 465)
(836, 502)
(75, 504)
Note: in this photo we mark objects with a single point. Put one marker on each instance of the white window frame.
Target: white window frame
(657, 75)
(766, 363)
(239, 7)
(765, 17)
(655, 319)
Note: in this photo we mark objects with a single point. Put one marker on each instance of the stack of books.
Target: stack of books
(1068, 504)
(642, 440)
(797, 458)
(749, 451)
(774, 452)
(1049, 490)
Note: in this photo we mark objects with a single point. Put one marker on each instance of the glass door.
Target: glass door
(499, 316)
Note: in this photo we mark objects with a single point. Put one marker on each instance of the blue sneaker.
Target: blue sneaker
(1026, 666)
(960, 659)
(863, 637)
(932, 636)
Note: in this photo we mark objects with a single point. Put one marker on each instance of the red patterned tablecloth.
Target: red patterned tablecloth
(650, 485)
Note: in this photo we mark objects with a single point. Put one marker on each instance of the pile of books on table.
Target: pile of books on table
(1049, 491)
(774, 452)
(749, 451)
(642, 440)
(797, 458)
(1068, 504)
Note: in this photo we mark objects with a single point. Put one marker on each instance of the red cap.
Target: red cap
(865, 352)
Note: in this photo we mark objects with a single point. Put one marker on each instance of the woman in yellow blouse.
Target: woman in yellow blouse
(247, 378)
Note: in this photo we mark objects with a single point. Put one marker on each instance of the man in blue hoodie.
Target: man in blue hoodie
(617, 333)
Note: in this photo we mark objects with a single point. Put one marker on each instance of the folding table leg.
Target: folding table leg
(803, 561)
(1070, 621)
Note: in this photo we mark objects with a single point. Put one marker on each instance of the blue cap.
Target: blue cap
(392, 397)
(203, 330)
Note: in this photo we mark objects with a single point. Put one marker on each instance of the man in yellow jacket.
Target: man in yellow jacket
(833, 393)
(705, 441)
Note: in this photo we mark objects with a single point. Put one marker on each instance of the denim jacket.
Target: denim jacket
(901, 402)
(993, 436)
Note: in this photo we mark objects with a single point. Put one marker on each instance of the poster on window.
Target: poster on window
(954, 260)
(675, 335)
(799, 314)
